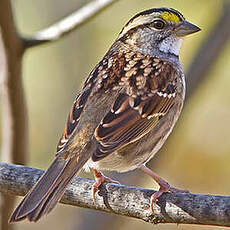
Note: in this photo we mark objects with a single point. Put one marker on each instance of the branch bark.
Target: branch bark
(68, 24)
(126, 201)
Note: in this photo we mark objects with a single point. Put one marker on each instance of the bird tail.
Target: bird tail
(48, 190)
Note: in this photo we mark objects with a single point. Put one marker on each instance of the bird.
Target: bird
(126, 109)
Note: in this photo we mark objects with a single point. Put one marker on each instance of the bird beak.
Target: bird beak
(186, 28)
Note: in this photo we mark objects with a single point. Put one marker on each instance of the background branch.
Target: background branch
(126, 201)
(14, 110)
(68, 24)
(209, 51)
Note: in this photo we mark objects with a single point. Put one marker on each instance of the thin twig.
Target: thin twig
(126, 201)
(68, 24)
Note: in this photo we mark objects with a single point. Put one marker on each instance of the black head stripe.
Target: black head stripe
(150, 11)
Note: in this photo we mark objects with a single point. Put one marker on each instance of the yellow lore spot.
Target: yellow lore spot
(168, 16)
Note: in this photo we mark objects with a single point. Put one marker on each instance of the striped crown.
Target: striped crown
(147, 17)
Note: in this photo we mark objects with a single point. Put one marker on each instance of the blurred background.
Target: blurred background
(195, 157)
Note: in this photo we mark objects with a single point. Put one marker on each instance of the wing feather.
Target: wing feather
(125, 124)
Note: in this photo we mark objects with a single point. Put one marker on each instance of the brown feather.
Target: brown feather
(150, 93)
(43, 197)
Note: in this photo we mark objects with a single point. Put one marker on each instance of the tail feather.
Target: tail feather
(49, 189)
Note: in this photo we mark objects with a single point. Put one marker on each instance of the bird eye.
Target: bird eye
(158, 24)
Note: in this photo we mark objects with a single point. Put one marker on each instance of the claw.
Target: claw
(164, 186)
(99, 179)
(162, 190)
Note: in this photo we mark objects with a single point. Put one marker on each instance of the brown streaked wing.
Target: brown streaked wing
(128, 121)
(73, 117)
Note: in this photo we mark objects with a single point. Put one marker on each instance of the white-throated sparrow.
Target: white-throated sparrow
(124, 112)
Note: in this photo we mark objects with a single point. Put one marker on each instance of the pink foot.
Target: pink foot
(99, 179)
(164, 186)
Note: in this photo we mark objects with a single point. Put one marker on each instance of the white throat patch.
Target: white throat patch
(171, 45)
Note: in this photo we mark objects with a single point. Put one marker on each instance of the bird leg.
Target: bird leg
(99, 179)
(164, 185)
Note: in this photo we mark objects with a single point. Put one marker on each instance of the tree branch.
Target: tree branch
(68, 24)
(126, 201)
(14, 110)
